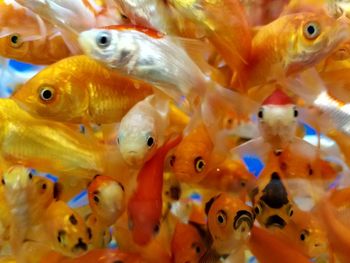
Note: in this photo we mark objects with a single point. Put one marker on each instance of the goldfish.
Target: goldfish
(98, 98)
(273, 206)
(106, 199)
(226, 28)
(14, 47)
(99, 234)
(153, 14)
(268, 248)
(188, 243)
(142, 130)
(314, 37)
(145, 207)
(307, 232)
(229, 224)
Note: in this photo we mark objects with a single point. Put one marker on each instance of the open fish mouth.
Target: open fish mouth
(275, 221)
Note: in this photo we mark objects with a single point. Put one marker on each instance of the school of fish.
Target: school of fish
(179, 131)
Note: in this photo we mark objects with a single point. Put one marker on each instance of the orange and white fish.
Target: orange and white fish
(229, 224)
(106, 199)
(145, 205)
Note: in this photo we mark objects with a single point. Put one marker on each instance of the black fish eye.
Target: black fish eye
(15, 41)
(311, 30)
(156, 229)
(3, 181)
(196, 247)
(150, 141)
(46, 93)
(60, 235)
(296, 113)
(103, 39)
(304, 234)
(199, 164)
(96, 199)
(44, 186)
(30, 175)
(221, 217)
(261, 114)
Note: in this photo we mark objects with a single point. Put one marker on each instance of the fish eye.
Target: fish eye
(3, 181)
(290, 211)
(172, 160)
(258, 209)
(44, 186)
(96, 199)
(150, 141)
(304, 234)
(60, 236)
(261, 114)
(296, 113)
(311, 30)
(30, 175)
(221, 217)
(196, 247)
(103, 39)
(15, 41)
(199, 164)
(46, 93)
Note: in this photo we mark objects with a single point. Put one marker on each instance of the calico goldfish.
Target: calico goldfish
(226, 27)
(188, 243)
(268, 248)
(99, 234)
(229, 224)
(106, 199)
(145, 207)
(67, 95)
(303, 40)
(63, 230)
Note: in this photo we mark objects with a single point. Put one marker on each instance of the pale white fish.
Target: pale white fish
(326, 113)
(142, 130)
(16, 182)
(160, 61)
(149, 13)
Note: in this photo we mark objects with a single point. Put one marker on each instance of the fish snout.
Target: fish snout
(275, 221)
(80, 246)
(132, 158)
(242, 224)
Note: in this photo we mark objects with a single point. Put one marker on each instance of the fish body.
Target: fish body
(145, 207)
(67, 95)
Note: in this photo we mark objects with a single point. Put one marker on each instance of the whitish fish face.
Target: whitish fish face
(17, 178)
(113, 48)
(278, 122)
(137, 138)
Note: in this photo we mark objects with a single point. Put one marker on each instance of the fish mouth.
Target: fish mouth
(80, 246)
(275, 221)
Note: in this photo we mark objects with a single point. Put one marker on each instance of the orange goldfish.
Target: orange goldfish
(106, 199)
(40, 52)
(229, 224)
(291, 44)
(67, 95)
(226, 28)
(188, 243)
(267, 248)
(145, 206)
(192, 157)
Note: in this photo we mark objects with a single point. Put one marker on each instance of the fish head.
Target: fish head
(17, 178)
(13, 46)
(313, 37)
(187, 244)
(66, 229)
(106, 199)
(278, 119)
(109, 46)
(137, 138)
(229, 221)
(51, 95)
(272, 207)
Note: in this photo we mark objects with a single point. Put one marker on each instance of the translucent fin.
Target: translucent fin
(256, 147)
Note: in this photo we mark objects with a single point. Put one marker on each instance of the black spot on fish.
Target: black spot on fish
(60, 235)
(80, 245)
(243, 216)
(275, 220)
(275, 194)
(57, 189)
(209, 204)
(73, 220)
(310, 170)
(175, 192)
(89, 232)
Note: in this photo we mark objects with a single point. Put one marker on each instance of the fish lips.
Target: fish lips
(275, 221)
